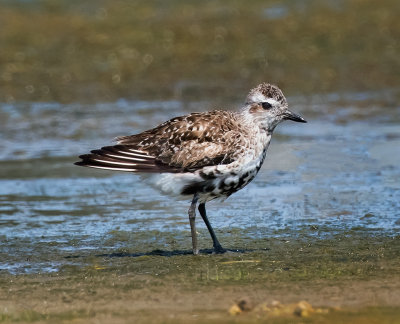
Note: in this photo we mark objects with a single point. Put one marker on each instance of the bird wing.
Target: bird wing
(183, 143)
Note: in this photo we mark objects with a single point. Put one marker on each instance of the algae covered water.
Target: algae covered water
(337, 174)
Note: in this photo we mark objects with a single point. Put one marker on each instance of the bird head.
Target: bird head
(267, 107)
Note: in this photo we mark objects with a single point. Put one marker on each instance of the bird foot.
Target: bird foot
(218, 249)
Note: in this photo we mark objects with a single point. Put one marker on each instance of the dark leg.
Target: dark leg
(217, 247)
(192, 221)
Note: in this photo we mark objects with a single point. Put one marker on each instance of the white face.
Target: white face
(267, 107)
(259, 98)
(267, 118)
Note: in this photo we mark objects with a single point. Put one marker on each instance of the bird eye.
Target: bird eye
(266, 105)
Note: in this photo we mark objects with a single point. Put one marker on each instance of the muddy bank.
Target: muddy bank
(355, 276)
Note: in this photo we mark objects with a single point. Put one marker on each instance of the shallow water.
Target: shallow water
(338, 173)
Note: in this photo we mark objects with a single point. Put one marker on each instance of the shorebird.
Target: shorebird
(204, 155)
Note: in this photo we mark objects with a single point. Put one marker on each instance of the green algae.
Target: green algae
(328, 271)
(369, 315)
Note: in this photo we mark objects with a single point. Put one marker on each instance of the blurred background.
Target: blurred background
(87, 51)
(76, 74)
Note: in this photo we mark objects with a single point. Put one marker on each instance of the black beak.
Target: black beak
(292, 116)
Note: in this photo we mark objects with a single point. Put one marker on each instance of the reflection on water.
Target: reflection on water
(335, 174)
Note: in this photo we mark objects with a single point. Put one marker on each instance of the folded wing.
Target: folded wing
(181, 144)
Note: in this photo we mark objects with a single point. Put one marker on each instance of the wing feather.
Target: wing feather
(183, 143)
(123, 158)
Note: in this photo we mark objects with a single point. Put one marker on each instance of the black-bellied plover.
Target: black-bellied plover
(203, 155)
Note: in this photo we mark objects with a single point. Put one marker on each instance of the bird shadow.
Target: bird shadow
(163, 253)
(169, 253)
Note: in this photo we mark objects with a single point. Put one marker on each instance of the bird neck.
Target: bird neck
(253, 119)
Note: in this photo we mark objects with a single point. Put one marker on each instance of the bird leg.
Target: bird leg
(192, 221)
(217, 246)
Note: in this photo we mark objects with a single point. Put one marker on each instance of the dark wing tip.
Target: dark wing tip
(84, 162)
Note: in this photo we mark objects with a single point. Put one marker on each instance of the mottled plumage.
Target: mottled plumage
(205, 155)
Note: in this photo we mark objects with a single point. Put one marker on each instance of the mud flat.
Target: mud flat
(353, 277)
